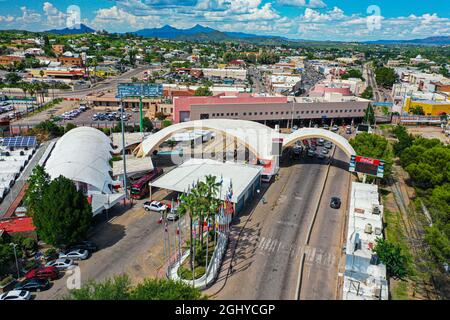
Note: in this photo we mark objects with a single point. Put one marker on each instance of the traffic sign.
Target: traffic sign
(139, 90)
(373, 167)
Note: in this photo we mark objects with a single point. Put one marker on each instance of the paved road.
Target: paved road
(132, 243)
(268, 252)
(258, 84)
(322, 256)
(105, 85)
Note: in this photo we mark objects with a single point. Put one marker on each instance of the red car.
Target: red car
(51, 273)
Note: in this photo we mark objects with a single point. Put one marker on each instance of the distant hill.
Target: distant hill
(169, 32)
(199, 33)
(430, 41)
(82, 29)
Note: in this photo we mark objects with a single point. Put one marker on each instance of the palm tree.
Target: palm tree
(212, 192)
(31, 90)
(24, 86)
(188, 203)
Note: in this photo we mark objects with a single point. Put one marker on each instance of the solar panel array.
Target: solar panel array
(19, 142)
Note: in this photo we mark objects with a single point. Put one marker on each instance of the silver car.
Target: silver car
(16, 295)
(76, 254)
(62, 264)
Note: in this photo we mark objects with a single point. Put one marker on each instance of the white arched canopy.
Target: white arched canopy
(308, 133)
(255, 136)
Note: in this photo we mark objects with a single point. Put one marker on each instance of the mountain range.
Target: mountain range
(205, 34)
(436, 41)
(82, 29)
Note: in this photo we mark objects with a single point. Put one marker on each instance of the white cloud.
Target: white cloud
(302, 3)
(336, 25)
(117, 20)
(55, 18)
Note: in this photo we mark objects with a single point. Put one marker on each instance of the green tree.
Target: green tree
(148, 124)
(368, 93)
(6, 257)
(63, 216)
(12, 78)
(70, 126)
(188, 205)
(437, 236)
(374, 146)
(405, 140)
(38, 181)
(165, 289)
(418, 110)
(117, 288)
(391, 255)
(120, 288)
(369, 116)
(203, 92)
(352, 73)
(166, 123)
(385, 76)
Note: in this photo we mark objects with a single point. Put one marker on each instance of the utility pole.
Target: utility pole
(292, 117)
(141, 121)
(123, 151)
(15, 256)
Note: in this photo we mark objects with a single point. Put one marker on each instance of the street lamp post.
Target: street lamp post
(123, 151)
(15, 256)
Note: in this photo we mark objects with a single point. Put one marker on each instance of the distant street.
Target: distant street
(258, 81)
(108, 84)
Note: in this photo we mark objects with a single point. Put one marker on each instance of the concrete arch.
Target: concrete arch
(308, 133)
(255, 136)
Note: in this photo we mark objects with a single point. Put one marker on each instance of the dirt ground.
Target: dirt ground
(429, 132)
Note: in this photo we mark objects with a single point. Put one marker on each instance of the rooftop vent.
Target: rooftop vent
(376, 210)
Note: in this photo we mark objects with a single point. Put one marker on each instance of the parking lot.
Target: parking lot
(102, 119)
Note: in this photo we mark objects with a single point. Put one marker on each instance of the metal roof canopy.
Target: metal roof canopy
(184, 176)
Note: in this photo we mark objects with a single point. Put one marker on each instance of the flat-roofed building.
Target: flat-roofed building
(364, 276)
(8, 60)
(239, 74)
(266, 109)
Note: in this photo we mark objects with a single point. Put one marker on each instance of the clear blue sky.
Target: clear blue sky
(307, 19)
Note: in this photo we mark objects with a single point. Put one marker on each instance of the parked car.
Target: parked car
(324, 151)
(51, 273)
(335, 128)
(321, 141)
(155, 206)
(328, 145)
(75, 254)
(61, 264)
(172, 216)
(16, 295)
(335, 203)
(321, 156)
(326, 127)
(33, 285)
(311, 153)
(86, 245)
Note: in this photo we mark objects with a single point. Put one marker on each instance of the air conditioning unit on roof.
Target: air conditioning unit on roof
(376, 210)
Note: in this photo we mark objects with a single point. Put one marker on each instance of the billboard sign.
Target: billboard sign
(139, 90)
(373, 167)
